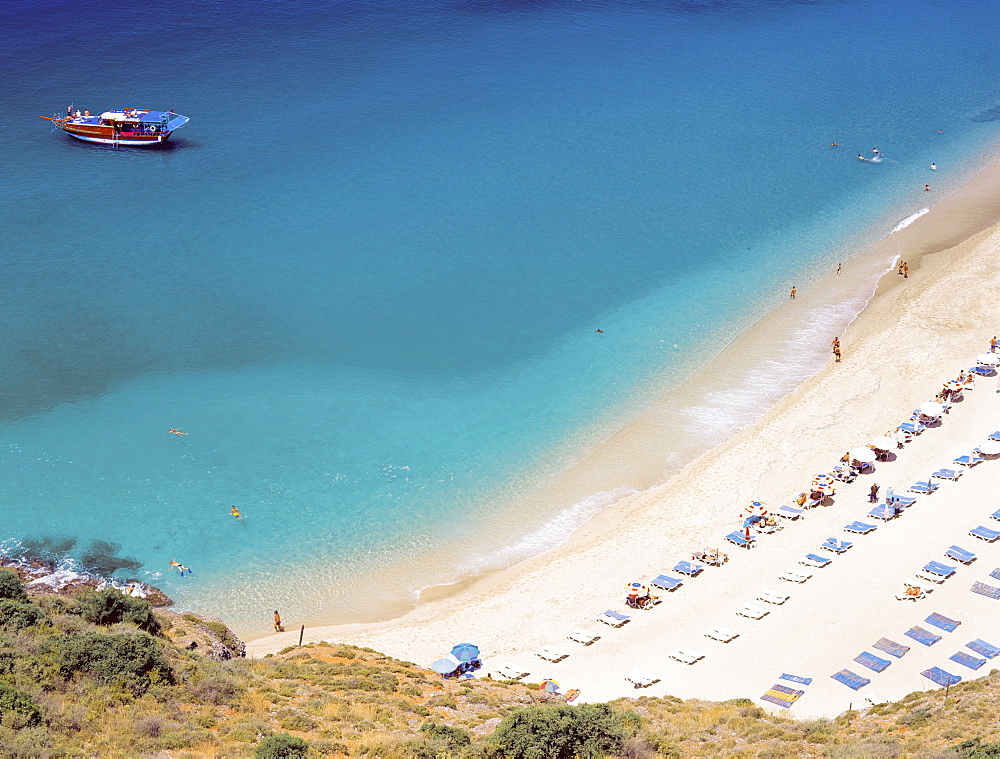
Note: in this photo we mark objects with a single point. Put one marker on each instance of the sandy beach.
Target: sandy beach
(915, 334)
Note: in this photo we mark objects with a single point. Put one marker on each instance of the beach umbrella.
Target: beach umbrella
(446, 666)
(864, 455)
(930, 408)
(882, 443)
(465, 652)
(822, 479)
(548, 685)
(636, 589)
(988, 359)
(990, 448)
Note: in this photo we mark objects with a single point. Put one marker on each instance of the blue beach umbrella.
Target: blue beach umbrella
(465, 652)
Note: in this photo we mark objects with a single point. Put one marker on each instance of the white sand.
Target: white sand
(915, 334)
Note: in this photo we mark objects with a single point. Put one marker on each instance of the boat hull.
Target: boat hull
(122, 139)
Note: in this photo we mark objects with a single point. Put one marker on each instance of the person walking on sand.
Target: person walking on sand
(906, 270)
(836, 353)
(277, 622)
(838, 269)
(993, 344)
(835, 346)
(791, 295)
(873, 493)
(899, 269)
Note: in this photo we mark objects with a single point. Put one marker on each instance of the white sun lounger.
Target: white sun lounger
(551, 653)
(772, 597)
(509, 672)
(721, 634)
(793, 576)
(686, 656)
(583, 637)
(641, 679)
(753, 612)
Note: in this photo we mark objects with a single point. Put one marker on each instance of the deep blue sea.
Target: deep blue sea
(366, 277)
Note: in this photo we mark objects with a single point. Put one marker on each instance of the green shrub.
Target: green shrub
(11, 586)
(281, 746)
(17, 709)
(974, 748)
(132, 661)
(107, 607)
(15, 615)
(216, 688)
(560, 732)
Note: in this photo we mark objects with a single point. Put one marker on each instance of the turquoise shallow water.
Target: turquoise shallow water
(366, 276)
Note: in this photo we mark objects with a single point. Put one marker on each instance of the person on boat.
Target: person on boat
(176, 431)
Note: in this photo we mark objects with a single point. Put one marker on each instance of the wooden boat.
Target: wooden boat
(121, 126)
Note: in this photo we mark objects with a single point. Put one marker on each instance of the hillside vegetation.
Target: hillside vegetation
(103, 674)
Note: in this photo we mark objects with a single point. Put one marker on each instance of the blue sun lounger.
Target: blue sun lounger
(923, 636)
(813, 560)
(982, 371)
(970, 460)
(995, 574)
(985, 590)
(796, 679)
(988, 650)
(914, 428)
(837, 546)
(860, 528)
(884, 512)
(872, 661)
(984, 533)
(939, 676)
(942, 622)
(900, 501)
(995, 515)
(960, 554)
(789, 512)
(995, 435)
(923, 488)
(850, 679)
(665, 582)
(948, 474)
(614, 618)
(938, 569)
(689, 569)
(967, 660)
(738, 539)
(890, 647)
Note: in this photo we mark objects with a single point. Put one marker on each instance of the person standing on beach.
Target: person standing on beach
(906, 270)
(993, 344)
(836, 353)
(835, 345)
(873, 493)
(838, 269)
(899, 269)
(277, 622)
(791, 295)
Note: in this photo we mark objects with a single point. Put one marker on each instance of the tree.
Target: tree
(11, 586)
(14, 615)
(560, 732)
(281, 746)
(108, 606)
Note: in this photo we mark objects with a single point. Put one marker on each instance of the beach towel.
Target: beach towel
(980, 646)
(850, 679)
(871, 661)
(782, 696)
(796, 679)
(985, 590)
(891, 648)
(939, 676)
(967, 660)
(921, 635)
(942, 622)
(995, 574)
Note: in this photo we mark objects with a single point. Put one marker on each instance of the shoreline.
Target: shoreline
(640, 533)
(630, 458)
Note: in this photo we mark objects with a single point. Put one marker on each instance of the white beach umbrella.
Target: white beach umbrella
(930, 408)
(990, 448)
(883, 443)
(988, 359)
(864, 455)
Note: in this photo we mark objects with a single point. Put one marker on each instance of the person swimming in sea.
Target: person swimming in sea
(861, 157)
(181, 567)
(176, 431)
(236, 513)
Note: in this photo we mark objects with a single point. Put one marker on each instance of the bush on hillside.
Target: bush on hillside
(437, 740)
(281, 746)
(107, 607)
(17, 709)
(11, 586)
(560, 732)
(974, 748)
(132, 661)
(14, 615)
